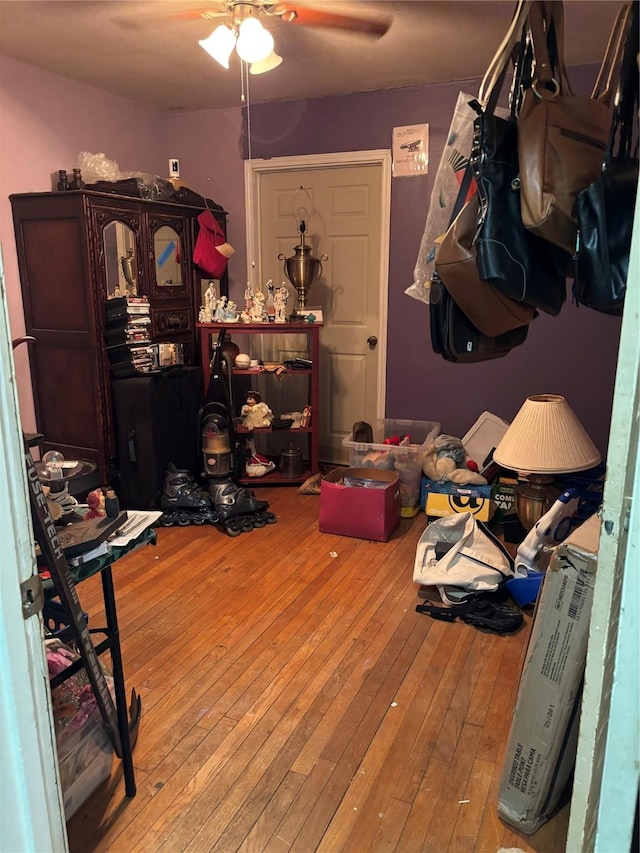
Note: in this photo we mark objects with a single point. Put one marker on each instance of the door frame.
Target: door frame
(31, 808)
(605, 788)
(378, 157)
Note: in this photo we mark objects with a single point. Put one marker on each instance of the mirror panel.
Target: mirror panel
(167, 250)
(121, 263)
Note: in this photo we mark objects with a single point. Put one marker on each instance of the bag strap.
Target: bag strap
(603, 87)
(494, 77)
(547, 31)
(626, 99)
(546, 22)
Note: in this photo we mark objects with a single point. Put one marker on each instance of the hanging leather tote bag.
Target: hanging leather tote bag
(510, 258)
(605, 209)
(456, 339)
(562, 137)
(487, 308)
(453, 335)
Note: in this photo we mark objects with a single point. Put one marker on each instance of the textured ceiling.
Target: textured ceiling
(147, 50)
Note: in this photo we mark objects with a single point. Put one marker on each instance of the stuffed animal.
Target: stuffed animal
(386, 460)
(95, 502)
(445, 459)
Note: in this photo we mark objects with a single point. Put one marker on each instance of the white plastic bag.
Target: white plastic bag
(475, 562)
(97, 167)
(453, 162)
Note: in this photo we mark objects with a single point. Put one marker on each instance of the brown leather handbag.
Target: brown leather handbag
(487, 308)
(562, 137)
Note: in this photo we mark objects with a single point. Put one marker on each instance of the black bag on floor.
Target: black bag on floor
(481, 613)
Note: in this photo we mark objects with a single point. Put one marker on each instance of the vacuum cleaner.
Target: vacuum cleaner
(184, 501)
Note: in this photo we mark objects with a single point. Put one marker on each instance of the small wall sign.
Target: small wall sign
(410, 150)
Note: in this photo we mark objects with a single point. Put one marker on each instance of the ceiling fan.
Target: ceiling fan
(254, 44)
(299, 13)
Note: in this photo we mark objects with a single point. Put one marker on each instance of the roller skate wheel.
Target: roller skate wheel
(233, 527)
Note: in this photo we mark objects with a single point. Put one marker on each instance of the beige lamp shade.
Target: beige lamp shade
(546, 437)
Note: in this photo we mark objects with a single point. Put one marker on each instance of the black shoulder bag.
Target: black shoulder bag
(514, 261)
(453, 335)
(605, 209)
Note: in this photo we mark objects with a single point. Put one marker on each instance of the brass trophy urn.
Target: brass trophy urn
(128, 270)
(302, 269)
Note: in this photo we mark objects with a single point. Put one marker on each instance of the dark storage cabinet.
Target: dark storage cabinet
(75, 250)
(157, 422)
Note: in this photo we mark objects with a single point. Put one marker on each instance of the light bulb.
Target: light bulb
(272, 61)
(301, 206)
(52, 461)
(254, 42)
(220, 44)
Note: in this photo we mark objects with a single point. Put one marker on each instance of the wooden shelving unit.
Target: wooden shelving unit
(209, 333)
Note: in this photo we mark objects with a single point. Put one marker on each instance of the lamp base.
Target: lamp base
(535, 498)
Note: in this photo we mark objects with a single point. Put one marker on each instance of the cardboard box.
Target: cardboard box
(503, 494)
(438, 499)
(369, 511)
(541, 749)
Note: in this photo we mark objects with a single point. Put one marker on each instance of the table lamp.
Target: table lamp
(545, 439)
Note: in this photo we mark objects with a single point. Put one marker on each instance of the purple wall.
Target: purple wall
(574, 354)
(208, 145)
(47, 120)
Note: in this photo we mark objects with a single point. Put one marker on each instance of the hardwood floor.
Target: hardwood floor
(293, 700)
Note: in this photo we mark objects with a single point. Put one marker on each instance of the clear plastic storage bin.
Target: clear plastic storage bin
(405, 460)
(85, 757)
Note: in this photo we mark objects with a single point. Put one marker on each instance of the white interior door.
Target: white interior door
(349, 224)
(31, 811)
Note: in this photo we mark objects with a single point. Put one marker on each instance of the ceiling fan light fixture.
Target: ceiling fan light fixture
(220, 44)
(254, 43)
(272, 61)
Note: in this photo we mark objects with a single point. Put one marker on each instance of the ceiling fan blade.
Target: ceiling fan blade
(210, 14)
(308, 17)
(161, 15)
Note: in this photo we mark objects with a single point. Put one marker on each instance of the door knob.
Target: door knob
(372, 341)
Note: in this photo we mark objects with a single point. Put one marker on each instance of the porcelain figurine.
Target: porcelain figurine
(257, 313)
(281, 298)
(230, 313)
(210, 298)
(248, 299)
(221, 307)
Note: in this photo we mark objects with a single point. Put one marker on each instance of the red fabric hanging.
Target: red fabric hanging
(206, 254)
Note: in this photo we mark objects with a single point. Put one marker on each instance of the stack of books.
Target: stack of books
(127, 336)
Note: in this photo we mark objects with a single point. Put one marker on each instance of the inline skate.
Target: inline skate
(238, 509)
(183, 501)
